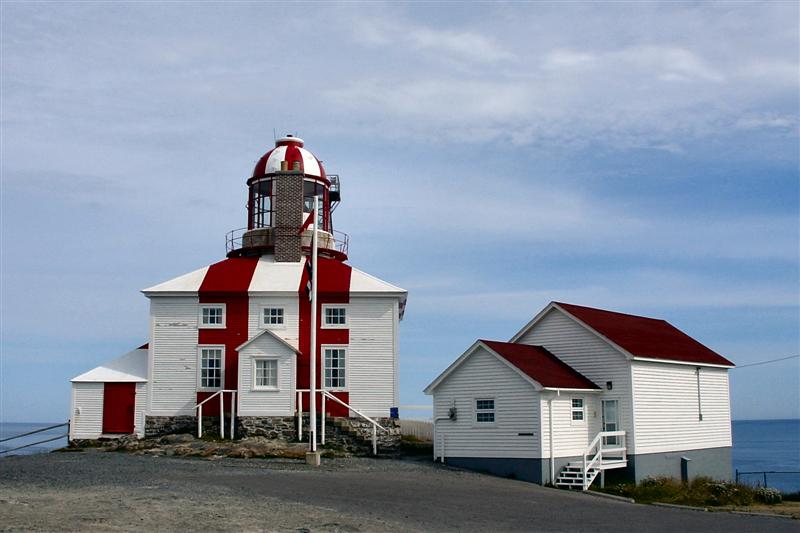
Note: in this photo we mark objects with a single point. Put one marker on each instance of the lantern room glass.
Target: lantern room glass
(261, 204)
(310, 189)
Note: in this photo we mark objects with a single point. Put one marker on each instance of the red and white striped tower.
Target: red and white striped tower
(281, 197)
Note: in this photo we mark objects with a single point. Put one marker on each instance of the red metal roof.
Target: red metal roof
(541, 365)
(645, 337)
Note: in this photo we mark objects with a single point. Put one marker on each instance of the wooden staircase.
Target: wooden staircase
(606, 451)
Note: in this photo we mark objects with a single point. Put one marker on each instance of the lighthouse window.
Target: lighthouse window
(212, 316)
(311, 188)
(211, 365)
(273, 316)
(335, 316)
(265, 375)
(261, 204)
(335, 368)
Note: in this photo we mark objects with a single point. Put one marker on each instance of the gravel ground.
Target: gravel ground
(107, 491)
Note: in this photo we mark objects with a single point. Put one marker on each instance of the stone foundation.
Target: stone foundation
(273, 427)
(351, 435)
(171, 425)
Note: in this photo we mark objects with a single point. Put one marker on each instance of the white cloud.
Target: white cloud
(660, 77)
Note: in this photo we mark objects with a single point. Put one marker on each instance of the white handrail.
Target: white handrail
(596, 460)
(326, 394)
(356, 411)
(199, 409)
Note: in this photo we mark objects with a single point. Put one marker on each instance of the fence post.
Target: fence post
(737, 476)
(765, 480)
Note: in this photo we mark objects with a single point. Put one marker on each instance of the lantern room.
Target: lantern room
(281, 195)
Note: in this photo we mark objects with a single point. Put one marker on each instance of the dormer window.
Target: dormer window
(212, 316)
(272, 317)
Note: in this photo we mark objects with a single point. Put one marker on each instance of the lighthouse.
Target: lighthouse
(281, 196)
(230, 344)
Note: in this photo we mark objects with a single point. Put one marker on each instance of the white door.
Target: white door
(611, 421)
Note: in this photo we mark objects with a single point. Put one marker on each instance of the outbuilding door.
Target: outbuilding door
(119, 400)
(611, 420)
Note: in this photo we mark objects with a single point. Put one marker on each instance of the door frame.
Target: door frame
(610, 441)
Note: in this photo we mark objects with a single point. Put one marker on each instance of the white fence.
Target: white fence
(417, 428)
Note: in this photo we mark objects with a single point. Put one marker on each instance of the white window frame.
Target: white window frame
(493, 410)
(344, 347)
(200, 349)
(255, 385)
(325, 324)
(265, 325)
(200, 324)
(573, 410)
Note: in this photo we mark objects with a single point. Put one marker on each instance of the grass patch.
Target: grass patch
(700, 492)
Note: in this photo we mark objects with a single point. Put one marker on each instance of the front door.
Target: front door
(119, 400)
(611, 421)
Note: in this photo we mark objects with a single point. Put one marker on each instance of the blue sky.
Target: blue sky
(641, 157)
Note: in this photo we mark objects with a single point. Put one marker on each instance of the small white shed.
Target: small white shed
(110, 400)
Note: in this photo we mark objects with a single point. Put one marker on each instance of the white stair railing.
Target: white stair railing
(593, 461)
(327, 395)
(199, 410)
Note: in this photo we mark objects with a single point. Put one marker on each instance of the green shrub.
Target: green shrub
(699, 492)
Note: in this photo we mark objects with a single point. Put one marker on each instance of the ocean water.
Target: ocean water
(758, 445)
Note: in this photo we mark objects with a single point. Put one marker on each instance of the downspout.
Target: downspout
(435, 440)
(552, 449)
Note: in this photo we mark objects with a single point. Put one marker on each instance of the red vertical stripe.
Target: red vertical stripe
(292, 155)
(227, 283)
(333, 286)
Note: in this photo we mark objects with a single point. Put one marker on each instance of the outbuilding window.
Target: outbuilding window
(335, 316)
(212, 316)
(265, 374)
(335, 368)
(484, 411)
(273, 316)
(211, 368)
(578, 413)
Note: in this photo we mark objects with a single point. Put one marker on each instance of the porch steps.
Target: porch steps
(571, 476)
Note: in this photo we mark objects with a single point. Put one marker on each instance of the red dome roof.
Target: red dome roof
(289, 149)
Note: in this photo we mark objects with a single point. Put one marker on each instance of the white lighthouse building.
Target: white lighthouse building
(236, 335)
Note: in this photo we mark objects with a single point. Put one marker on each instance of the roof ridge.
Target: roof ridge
(612, 312)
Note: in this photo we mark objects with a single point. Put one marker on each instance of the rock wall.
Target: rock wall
(273, 427)
(171, 425)
(350, 435)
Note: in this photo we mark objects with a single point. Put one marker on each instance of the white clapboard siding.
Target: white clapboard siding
(667, 407)
(482, 375)
(139, 409)
(570, 437)
(173, 350)
(266, 402)
(87, 411)
(291, 317)
(370, 356)
(591, 356)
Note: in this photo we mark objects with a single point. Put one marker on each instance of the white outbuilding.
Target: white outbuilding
(579, 391)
